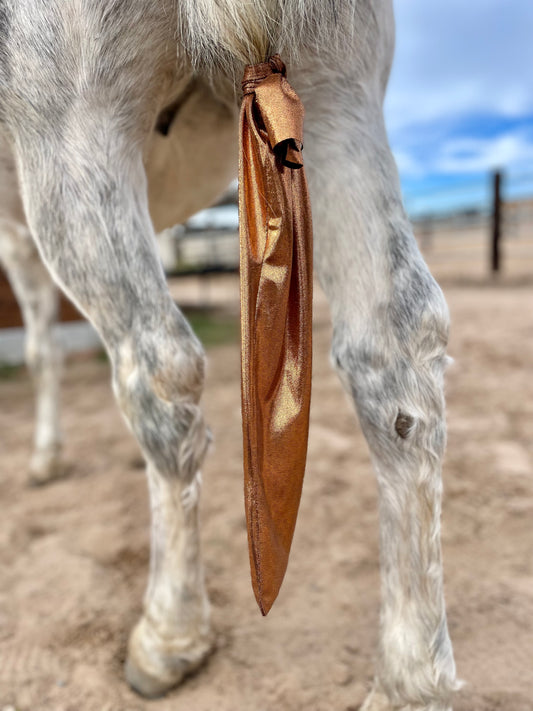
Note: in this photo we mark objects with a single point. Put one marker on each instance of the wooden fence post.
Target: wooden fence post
(496, 221)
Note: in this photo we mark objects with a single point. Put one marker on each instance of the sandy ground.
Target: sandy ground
(74, 555)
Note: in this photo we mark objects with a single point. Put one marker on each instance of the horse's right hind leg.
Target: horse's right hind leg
(37, 297)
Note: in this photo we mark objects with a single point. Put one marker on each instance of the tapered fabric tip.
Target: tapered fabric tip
(265, 606)
(267, 577)
(265, 600)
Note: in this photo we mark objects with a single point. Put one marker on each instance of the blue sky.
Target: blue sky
(460, 99)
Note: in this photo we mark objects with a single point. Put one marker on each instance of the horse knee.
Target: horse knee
(158, 377)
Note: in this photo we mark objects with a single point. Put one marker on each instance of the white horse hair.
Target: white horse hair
(120, 115)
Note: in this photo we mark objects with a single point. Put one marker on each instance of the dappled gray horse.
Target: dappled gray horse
(111, 109)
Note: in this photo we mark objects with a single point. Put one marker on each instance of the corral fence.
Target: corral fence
(471, 229)
(477, 228)
(187, 251)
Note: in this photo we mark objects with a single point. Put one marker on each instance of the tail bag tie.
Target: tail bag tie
(276, 302)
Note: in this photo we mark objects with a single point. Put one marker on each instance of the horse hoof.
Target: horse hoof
(155, 666)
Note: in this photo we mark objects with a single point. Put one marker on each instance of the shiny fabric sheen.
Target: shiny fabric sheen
(276, 299)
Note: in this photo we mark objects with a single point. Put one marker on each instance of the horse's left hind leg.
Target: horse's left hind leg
(37, 297)
(390, 326)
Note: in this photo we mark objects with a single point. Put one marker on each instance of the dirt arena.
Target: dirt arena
(74, 555)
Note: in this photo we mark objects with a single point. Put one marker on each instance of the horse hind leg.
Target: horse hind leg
(37, 297)
(390, 332)
(86, 202)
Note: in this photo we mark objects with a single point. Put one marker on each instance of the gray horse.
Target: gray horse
(118, 116)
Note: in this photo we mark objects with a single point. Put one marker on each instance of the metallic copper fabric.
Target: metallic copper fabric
(276, 300)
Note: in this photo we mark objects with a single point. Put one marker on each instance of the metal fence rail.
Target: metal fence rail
(476, 226)
(491, 234)
(207, 251)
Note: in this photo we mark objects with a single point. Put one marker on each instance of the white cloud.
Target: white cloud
(461, 92)
(470, 155)
(479, 155)
(407, 164)
(457, 59)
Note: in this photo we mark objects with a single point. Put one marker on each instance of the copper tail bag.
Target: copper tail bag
(276, 299)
